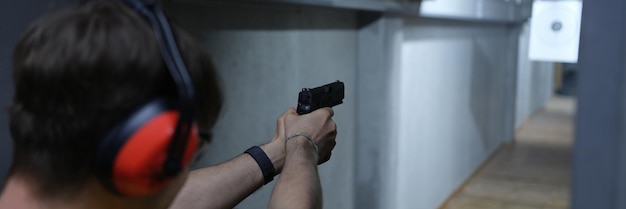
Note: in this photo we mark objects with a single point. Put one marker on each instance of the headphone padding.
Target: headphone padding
(138, 169)
(132, 157)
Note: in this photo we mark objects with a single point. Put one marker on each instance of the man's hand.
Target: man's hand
(275, 149)
(318, 124)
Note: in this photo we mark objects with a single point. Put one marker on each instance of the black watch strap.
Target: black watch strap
(264, 162)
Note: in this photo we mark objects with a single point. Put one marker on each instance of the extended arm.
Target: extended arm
(226, 184)
(299, 184)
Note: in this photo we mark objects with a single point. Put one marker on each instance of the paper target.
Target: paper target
(557, 25)
(555, 31)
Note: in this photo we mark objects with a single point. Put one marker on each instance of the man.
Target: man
(80, 71)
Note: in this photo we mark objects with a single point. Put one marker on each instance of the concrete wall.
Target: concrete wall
(380, 40)
(446, 101)
(456, 79)
(535, 81)
(599, 170)
(265, 56)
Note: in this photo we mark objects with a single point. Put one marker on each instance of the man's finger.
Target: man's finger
(330, 111)
(290, 110)
(280, 125)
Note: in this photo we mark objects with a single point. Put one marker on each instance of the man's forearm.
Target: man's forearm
(299, 185)
(226, 184)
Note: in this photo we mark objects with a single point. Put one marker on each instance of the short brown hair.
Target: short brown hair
(79, 71)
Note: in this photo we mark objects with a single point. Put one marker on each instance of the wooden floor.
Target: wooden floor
(533, 172)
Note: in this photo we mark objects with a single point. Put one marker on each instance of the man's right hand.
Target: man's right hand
(317, 124)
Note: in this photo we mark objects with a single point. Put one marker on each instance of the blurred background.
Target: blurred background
(445, 107)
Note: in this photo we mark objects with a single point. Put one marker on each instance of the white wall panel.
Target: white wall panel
(452, 106)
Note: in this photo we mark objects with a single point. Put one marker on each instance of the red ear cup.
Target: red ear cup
(131, 158)
(138, 167)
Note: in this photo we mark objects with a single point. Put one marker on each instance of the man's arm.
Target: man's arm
(226, 184)
(299, 184)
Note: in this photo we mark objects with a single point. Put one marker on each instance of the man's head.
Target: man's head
(80, 71)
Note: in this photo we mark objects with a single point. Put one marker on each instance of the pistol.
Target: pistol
(311, 99)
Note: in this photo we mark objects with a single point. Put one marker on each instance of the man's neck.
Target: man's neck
(20, 193)
(16, 194)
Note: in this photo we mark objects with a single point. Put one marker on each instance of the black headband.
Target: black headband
(176, 67)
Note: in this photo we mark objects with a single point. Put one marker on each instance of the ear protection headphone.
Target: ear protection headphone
(158, 140)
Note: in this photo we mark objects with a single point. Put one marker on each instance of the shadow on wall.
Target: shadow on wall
(480, 83)
(569, 80)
